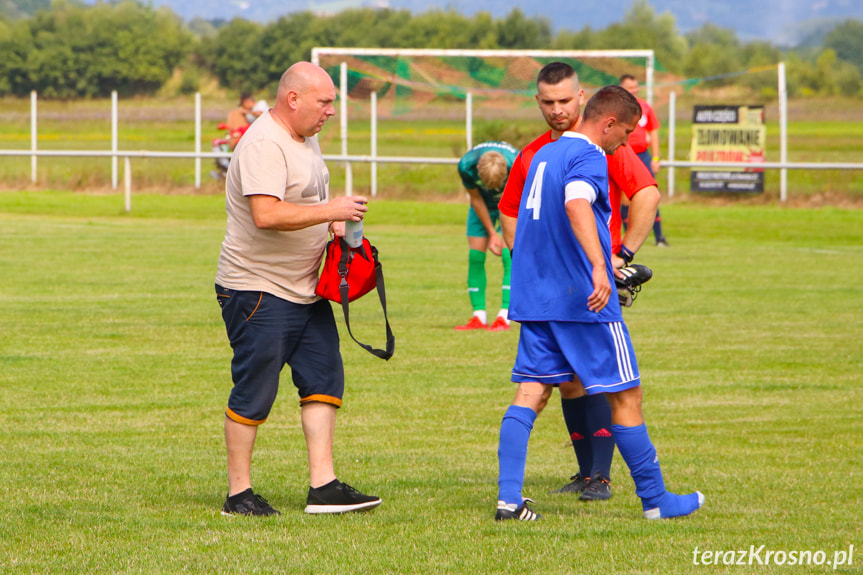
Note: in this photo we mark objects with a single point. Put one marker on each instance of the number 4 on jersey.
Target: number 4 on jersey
(534, 198)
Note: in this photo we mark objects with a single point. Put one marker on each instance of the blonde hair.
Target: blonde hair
(492, 170)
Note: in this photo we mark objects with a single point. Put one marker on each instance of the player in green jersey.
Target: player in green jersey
(483, 171)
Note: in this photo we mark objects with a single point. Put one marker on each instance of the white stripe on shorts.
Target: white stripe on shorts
(624, 362)
(540, 378)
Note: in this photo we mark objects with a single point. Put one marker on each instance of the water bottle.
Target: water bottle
(354, 233)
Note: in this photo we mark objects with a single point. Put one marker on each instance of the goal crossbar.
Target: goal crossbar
(434, 52)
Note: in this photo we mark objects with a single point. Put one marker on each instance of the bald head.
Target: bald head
(304, 101)
(301, 76)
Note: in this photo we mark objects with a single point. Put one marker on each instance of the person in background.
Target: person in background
(259, 108)
(238, 119)
(644, 141)
(483, 171)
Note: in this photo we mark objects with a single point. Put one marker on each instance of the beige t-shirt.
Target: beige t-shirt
(285, 264)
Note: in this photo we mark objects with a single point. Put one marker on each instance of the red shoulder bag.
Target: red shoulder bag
(350, 273)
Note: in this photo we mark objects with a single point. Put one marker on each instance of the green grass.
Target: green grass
(114, 373)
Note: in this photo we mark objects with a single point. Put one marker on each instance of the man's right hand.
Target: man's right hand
(348, 208)
(601, 290)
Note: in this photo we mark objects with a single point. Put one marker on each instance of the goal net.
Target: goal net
(422, 95)
(427, 82)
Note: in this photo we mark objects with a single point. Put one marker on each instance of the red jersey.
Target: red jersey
(511, 198)
(626, 174)
(648, 122)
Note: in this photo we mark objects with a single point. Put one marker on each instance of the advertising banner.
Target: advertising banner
(728, 134)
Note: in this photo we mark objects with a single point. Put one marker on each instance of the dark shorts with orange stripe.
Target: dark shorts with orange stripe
(266, 333)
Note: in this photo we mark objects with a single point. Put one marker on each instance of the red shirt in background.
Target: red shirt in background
(647, 123)
(626, 174)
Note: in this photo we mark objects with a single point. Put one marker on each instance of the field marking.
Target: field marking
(824, 251)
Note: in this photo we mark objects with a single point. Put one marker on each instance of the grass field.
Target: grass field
(114, 373)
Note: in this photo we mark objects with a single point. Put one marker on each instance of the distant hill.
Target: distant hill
(782, 22)
(15, 9)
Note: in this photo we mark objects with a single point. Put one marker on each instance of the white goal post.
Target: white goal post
(320, 52)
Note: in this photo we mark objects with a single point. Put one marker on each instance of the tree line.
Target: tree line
(72, 50)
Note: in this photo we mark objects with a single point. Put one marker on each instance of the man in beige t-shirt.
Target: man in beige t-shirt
(279, 211)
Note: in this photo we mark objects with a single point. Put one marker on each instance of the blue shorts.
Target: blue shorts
(555, 352)
(267, 332)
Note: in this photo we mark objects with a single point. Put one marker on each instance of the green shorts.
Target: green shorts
(475, 229)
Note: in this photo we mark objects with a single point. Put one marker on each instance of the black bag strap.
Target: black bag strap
(382, 294)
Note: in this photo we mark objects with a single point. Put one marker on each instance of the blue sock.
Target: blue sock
(575, 416)
(512, 452)
(598, 414)
(657, 227)
(640, 456)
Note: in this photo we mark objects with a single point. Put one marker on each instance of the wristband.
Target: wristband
(626, 255)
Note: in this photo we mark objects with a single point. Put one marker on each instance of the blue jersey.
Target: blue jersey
(551, 275)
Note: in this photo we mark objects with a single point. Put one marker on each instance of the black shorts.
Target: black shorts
(266, 332)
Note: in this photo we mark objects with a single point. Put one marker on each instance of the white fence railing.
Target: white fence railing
(115, 154)
(374, 160)
(146, 154)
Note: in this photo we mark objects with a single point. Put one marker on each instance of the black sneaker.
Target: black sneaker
(598, 489)
(247, 503)
(338, 497)
(579, 482)
(519, 513)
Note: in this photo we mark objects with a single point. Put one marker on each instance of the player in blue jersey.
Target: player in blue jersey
(572, 331)
(588, 418)
(483, 171)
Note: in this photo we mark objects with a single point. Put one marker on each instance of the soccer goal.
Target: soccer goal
(428, 83)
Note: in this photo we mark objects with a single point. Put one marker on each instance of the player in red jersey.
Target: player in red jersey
(588, 418)
(644, 141)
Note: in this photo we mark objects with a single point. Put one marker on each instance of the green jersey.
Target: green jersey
(467, 169)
